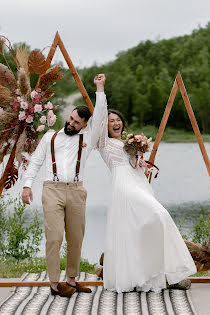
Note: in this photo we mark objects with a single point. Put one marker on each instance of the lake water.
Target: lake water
(182, 186)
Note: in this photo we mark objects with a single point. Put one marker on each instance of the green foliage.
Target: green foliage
(201, 231)
(18, 239)
(139, 81)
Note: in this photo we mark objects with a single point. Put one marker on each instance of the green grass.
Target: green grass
(170, 134)
(13, 269)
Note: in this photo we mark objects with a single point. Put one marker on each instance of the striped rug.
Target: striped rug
(39, 301)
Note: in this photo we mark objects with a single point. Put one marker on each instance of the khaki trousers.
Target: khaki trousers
(64, 209)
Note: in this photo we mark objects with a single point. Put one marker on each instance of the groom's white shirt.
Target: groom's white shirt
(66, 148)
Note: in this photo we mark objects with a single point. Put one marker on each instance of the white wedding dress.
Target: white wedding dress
(143, 246)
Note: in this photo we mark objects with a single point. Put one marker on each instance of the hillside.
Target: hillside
(139, 81)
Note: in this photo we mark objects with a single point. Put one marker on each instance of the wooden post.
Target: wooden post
(163, 123)
(58, 42)
(178, 83)
(193, 121)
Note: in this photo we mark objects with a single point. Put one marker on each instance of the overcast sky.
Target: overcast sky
(96, 30)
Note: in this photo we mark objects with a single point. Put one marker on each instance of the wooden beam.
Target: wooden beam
(193, 121)
(45, 283)
(75, 75)
(85, 283)
(163, 123)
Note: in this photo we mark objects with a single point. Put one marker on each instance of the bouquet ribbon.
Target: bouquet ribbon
(143, 163)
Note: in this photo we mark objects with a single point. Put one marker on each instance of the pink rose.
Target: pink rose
(37, 108)
(49, 105)
(131, 140)
(20, 99)
(22, 116)
(43, 119)
(51, 118)
(29, 119)
(34, 94)
(24, 105)
(138, 138)
(40, 128)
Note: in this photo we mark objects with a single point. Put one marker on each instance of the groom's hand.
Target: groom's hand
(27, 195)
(99, 81)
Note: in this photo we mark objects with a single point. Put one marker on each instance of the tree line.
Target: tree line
(140, 80)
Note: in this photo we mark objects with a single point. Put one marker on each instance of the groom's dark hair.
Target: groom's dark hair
(83, 112)
(119, 114)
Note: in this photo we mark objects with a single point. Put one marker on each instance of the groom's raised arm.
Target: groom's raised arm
(99, 111)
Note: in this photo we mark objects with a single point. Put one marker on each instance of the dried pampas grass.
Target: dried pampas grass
(7, 117)
(20, 147)
(49, 77)
(7, 78)
(5, 96)
(22, 56)
(23, 82)
(2, 43)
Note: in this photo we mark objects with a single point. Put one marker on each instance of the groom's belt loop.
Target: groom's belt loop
(55, 176)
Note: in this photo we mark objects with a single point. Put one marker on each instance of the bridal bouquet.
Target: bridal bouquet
(136, 146)
(24, 111)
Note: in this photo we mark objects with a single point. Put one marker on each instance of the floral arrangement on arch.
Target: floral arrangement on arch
(136, 146)
(24, 112)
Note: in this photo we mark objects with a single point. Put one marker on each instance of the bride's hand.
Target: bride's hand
(99, 81)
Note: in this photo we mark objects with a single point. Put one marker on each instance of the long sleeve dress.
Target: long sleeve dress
(143, 246)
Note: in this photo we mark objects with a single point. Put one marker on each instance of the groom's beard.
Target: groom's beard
(70, 132)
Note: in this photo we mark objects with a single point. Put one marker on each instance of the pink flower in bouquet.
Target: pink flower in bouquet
(24, 105)
(131, 140)
(49, 105)
(38, 90)
(138, 138)
(51, 118)
(37, 108)
(40, 128)
(34, 94)
(43, 119)
(29, 119)
(20, 99)
(22, 115)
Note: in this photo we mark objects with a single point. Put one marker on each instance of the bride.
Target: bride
(143, 249)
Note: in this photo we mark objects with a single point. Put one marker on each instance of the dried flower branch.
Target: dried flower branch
(22, 56)
(7, 78)
(20, 147)
(49, 77)
(7, 117)
(5, 96)
(23, 82)
(2, 44)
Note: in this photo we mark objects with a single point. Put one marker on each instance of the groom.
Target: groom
(63, 196)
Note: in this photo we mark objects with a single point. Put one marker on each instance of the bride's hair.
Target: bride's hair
(119, 114)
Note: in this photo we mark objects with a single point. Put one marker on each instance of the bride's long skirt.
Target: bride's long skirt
(143, 245)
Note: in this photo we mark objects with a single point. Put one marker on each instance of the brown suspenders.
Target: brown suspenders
(55, 176)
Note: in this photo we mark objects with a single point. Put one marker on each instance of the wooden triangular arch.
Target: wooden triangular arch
(178, 83)
(58, 42)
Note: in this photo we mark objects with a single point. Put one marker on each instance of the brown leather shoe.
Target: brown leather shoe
(63, 290)
(80, 288)
(182, 285)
